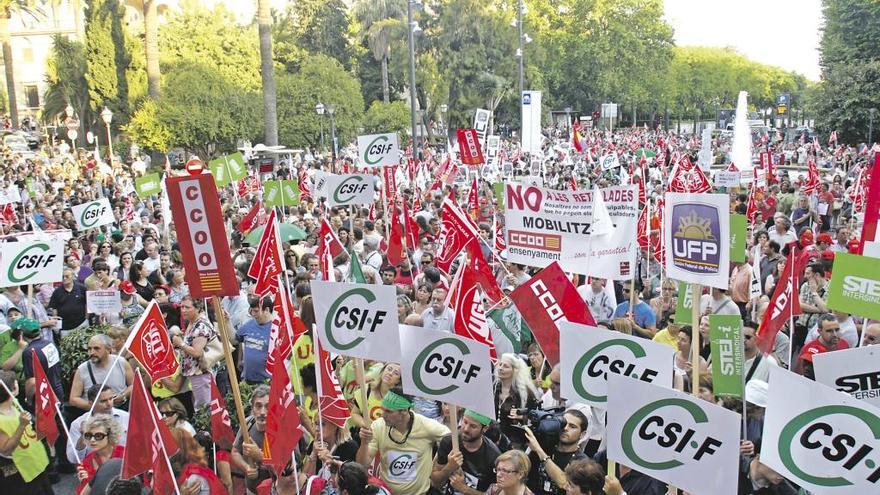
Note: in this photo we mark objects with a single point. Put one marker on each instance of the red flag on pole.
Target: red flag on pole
(872, 206)
(150, 344)
(329, 247)
(688, 178)
(145, 447)
(483, 273)
(396, 249)
(784, 304)
(45, 407)
(642, 228)
(576, 136)
(466, 304)
(334, 408)
(812, 183)
(285, 329)
(546, 300)
(473, 201)
(469, 147)
(267, 263)
(249, 221)
(221, 425)
(283, 429)
(456, 232)
(305, 190)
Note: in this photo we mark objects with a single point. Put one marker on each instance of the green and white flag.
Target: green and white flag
(738, 238)
(823, 440)
(217, 167)
(725, 342)
(236, 166)
(510, 332)
(448, 368)
(148, 185)
(228, 168)
(281, 193)
(682, 440)
(684, 304)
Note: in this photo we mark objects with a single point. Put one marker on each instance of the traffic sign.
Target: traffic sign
(195, 167)
(72, 123)
(72, 134)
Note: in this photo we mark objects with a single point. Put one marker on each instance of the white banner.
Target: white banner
(673, 437)
(545, 225)
(696, 230)
(724, 178)
(103, 301)
(93, 214)
(825, 441)
(319, 179)
(493, 150)
(378, 150)
(852, 371)
(481, 125)
(447, 368)
(609, 161)
(349, 189)
(589, 354)
(531, 122)
(32, 261)
(358, 320)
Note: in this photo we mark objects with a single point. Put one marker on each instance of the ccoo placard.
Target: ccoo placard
(33, 261)
(378, 150)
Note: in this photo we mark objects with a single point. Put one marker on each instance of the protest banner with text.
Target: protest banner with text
(852, 371)
(31, 261)
(93, 214)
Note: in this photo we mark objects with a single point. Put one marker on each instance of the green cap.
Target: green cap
(479, 418)
(27, 326)
(100, 238)
(395, 402)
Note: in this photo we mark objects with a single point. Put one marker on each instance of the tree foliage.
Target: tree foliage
(317, 27)
(66, 80)
(388, 117)
(107, 57)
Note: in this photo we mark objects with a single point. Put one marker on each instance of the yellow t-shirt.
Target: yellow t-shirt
(406, 466)
(303, 355)
(664, 337)
(30, 456)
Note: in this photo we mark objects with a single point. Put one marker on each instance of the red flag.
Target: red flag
(412, 229)
(283, 429)
(657, 237)
(163, 479)
(145, 447)
(221, 425)
(456, 232)
(576, 136)
(466, 304)
(483, 273)
(305, 190)
(498, 239)
(473, 200)
(150, 344)
(129, 209)
(396, 249)
(812, 183)
(572, 183)
(832, 139)
(249, 221)
(688, 179)
(329, 247)
(284, 330)
(45, 406)
(546, 300)
(334, 408)
(783, 305)
(872, 205)
(469, 147)
(643, 194)
(752, 206)
(266, 266)
(732, 167)
(389, 180)
(642, 228)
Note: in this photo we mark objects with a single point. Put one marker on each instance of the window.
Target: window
(32, 95)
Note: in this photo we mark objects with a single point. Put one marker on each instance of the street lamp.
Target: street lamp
(331, 109)
(871, 127)
(107, 117)
(443, 108)
(520, 53)
(319, 109)
(412, 26)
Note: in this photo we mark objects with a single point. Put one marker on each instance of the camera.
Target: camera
(546, 425)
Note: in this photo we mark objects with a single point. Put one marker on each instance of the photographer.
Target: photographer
(547, 476)
(470, 471)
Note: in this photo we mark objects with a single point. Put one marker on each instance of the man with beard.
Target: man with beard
(94, 371)
(469, 471)
(547, 476)
(248, 457)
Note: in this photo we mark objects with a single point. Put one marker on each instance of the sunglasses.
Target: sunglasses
(168, 414)
(96, 436)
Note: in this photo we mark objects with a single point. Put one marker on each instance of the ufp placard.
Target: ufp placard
(446, 367)
(673, 437)
(378, 150)
(852, 371)
(93, 214)
(358, 320)
(590, 355)
(349, 189)
(31, 261)
(824, 441)
(696, 229)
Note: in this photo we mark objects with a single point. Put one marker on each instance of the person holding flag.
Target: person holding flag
(23, 458)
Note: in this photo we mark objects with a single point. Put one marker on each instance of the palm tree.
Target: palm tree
(381, 21)
(7, 8)
(267, 71)
(151, 48)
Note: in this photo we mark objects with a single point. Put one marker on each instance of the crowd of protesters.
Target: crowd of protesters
(496, 455)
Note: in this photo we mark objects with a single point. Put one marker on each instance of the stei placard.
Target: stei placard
(855, 286)
(31, 261)
(447, 368)
(148, 185)
(852, 371)
(93, 214)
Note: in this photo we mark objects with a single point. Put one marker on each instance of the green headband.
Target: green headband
(395, 402)
(479, 418)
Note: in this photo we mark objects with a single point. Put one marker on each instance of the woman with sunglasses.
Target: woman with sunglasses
(102, 433)
(174, 415)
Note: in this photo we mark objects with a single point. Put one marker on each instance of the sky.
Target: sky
(784, 33)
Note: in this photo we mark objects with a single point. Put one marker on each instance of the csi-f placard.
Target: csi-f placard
(358, 320)
(349, 189)
(696, 232)
(378, 150)
(93, 214)
(201, 234)
(448, 368)
(31, 261)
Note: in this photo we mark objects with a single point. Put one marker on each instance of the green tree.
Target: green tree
(107, 58)
(66, 80)
(388, 117)
(147, 130)
(319, 27)
(320, 79)
(381, 22)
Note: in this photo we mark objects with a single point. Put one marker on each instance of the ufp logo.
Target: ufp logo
(350, 312)
(29, 262)
(674, 426)
(446, 358)
(377, 149)
(696, 244)
(825, 439)
(92, 213)
(349, 188)
(602, 359)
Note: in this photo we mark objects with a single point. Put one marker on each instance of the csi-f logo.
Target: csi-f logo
(402, 464)
(830, 446)
(349, 312)
(596, 363)
(29, 262)
(696, 245)
(92, 213)
(349, 188)
(446, 358)
(377, 150)
(658, 423)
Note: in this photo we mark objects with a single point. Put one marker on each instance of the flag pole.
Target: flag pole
(67, 432)
(161, 443)
(230, 368)
(696, 289)
(360, 374)
(453, 424)
(318, 364)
